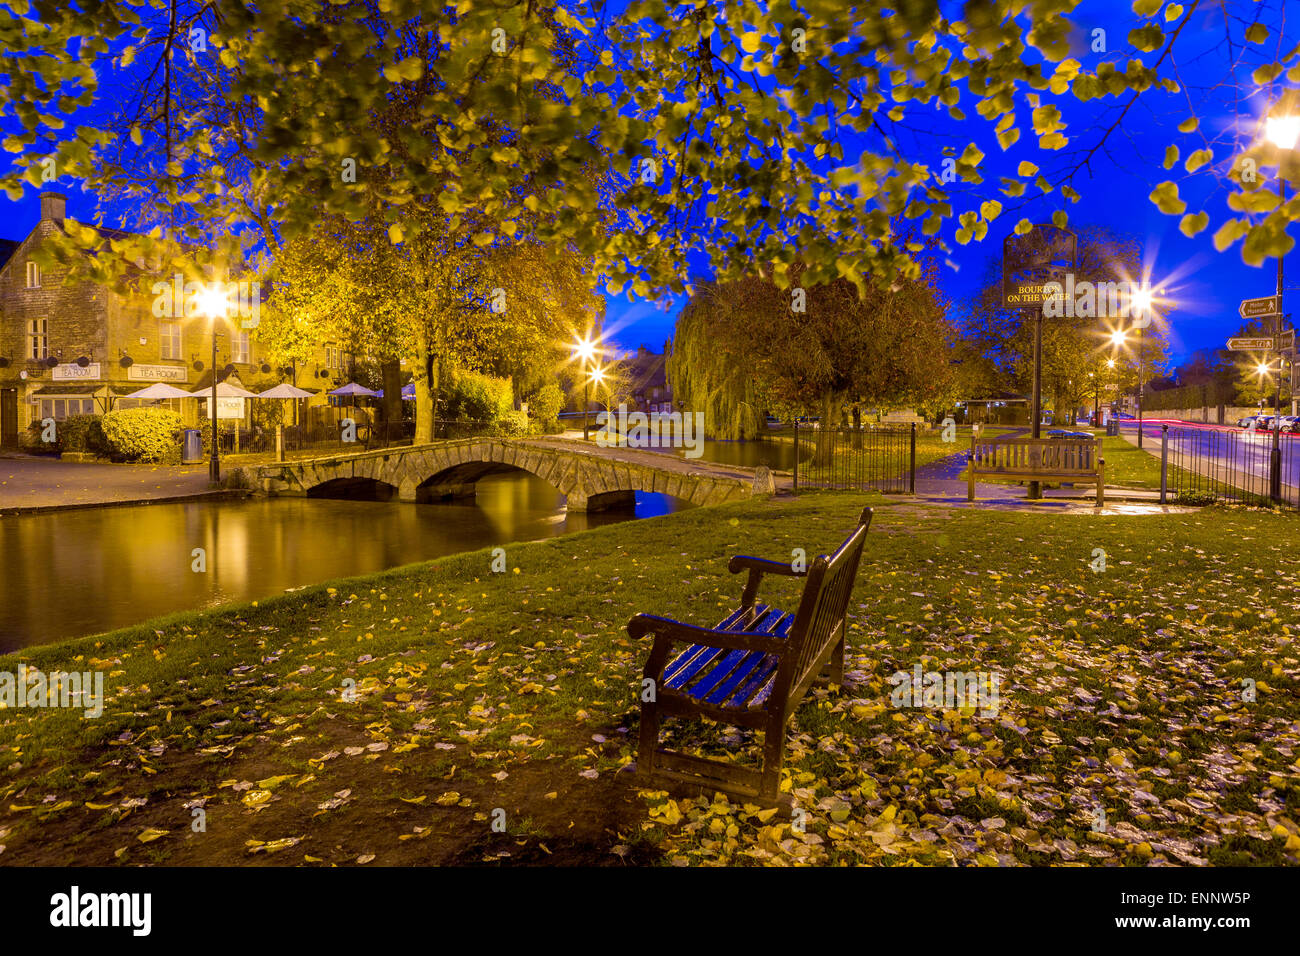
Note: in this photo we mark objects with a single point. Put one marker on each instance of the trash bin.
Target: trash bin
(1112, 427)
(191, 447)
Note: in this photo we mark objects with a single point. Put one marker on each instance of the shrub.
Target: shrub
(545, 405)
(83, 433)
(32, 442)
(143, 434)
(472, 396)
(512, 424)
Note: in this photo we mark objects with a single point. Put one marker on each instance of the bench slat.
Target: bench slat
(691, 661)
(770, 621)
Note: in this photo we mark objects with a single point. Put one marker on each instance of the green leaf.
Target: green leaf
(1194, 223)
(1257, 33)
(1189, 124)
(1198, 159)
(1171, 156)
(1165, 196)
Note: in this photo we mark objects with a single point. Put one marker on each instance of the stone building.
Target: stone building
(68, 349)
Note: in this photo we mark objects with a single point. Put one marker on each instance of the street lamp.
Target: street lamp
(213, 302)
(1283, 132)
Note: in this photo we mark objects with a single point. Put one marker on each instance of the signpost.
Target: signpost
(1264, 344)
(1258, 308)
(1028, 262)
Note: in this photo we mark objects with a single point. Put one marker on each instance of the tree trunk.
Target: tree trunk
(392, 408)
(830, 416)
(426, 390)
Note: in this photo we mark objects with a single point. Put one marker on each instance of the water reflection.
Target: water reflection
(65, 574)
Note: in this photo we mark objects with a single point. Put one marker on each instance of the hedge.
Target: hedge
(143, 434)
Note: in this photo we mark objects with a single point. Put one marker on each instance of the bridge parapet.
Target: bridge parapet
(591, 480)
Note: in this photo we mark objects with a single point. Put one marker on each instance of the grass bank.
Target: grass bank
(441, 713)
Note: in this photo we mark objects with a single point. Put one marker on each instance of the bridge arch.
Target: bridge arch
(590, 480)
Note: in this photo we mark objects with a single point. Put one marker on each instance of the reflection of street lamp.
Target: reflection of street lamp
(213, 302)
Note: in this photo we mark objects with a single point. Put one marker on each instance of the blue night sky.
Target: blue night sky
(1204, 285)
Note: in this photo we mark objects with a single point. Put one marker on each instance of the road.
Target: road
(1223, 453)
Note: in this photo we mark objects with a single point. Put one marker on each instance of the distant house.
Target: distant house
(647, 373)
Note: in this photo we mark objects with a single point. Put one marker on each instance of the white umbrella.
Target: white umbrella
(285, 390)
(352, 388)
(224, 390)
(158, 391)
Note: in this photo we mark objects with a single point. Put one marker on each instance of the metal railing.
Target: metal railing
(868, 458)
(1200, 462)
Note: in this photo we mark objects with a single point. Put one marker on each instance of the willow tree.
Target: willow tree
(708, 374)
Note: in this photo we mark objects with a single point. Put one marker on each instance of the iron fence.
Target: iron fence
(1234, 464)
(866, 458)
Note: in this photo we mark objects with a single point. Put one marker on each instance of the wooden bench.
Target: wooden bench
(1038, 459)
(751, 670)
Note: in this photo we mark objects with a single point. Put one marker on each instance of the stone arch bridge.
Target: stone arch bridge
(592, 479)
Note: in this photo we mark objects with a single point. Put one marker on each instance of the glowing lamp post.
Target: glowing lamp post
(585, 351)
(1283, 132)
(212, 303)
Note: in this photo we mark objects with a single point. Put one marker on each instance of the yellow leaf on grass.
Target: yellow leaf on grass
(256, 798)
(448, 799)
(416, 800)
(148, 836)
(270, 783)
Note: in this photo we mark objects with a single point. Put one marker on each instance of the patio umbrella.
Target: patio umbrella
(285, 390)
(158, 391)
(352, 388)
(225, 390)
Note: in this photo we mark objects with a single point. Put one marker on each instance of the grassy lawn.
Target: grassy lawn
(393, 719)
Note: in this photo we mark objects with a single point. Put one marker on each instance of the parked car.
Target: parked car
(1289, 423)
(1247, 421)
(1068, 433)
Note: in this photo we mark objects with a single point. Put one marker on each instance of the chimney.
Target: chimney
(53, 206)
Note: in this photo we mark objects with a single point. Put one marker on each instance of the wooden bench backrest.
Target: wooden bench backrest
(1047, 455)
(819, 622)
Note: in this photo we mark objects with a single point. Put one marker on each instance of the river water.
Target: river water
(71, 573)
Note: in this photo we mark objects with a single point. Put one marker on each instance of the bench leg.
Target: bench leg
(773, 759)
(833, 672)
(645, 758)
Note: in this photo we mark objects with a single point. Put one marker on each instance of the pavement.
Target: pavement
(29, 483)
(940, 483)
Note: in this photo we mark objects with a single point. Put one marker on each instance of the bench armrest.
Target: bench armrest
(757, 567)
(743, 562)
(668, 632)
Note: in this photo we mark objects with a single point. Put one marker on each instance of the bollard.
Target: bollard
(279, 443)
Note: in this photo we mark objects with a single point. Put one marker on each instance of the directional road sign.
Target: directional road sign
(1254, 308)
(1264, 344)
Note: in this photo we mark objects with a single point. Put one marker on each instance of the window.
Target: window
(61, 408)
(240, 342)
(33, 275)
(38, 339)
(169, 336)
